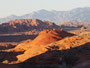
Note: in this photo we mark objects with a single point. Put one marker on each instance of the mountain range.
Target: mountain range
(74, 15)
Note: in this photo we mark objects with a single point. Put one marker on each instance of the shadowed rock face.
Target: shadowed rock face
(10, 55)
(8, 66)
(37, 46)
(23, 25)
(83, 65)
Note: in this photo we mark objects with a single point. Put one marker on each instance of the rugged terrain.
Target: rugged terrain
(32, 43)
(50, 49)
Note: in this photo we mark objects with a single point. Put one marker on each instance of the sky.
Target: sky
(21, 7)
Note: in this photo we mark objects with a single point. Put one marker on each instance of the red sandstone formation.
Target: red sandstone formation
(37, 46)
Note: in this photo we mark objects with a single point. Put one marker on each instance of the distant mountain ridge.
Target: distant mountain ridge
(25, 25)
(74, 15)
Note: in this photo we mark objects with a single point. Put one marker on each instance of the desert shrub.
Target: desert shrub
(54, 47)
(5, 61)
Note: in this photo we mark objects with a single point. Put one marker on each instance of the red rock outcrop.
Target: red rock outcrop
(45, 37)
(74, 50)
(37, 46)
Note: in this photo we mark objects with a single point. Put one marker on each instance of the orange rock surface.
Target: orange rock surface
(37, 46)
(44, 37)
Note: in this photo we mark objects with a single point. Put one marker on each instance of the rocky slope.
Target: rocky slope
(70, 52)
(59, 51)
(37, 46)
(45, 37)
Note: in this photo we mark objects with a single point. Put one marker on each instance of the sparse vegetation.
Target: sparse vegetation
(5, 62)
